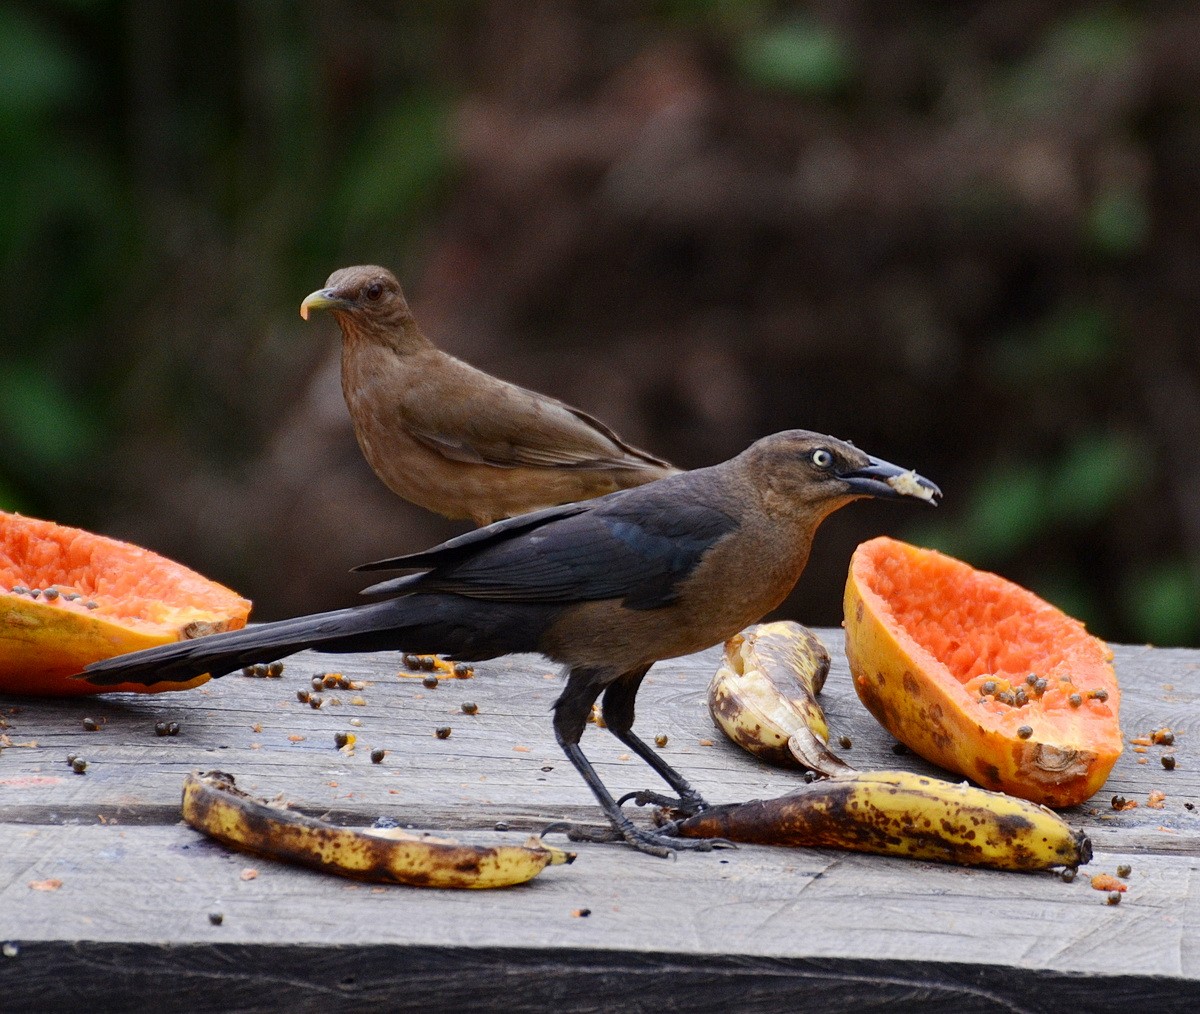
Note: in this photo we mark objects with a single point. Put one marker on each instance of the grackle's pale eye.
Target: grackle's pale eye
(822, 458)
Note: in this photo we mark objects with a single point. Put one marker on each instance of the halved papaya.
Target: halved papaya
(69, 597)
(979, 675)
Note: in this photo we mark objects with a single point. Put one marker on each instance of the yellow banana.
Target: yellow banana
(904, 814)
(764, 696)
(213, 805)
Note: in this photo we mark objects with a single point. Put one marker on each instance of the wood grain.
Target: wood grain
(751, 929)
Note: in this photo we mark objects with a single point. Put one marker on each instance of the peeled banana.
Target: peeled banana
(764, 696)
(904, 814)
(213, 805)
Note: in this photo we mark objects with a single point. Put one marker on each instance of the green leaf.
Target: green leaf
(38, 420)
(801, 56)
(1097, 471)
(37, 72)
(1118, 221)
(397, 166)
(1164, 604)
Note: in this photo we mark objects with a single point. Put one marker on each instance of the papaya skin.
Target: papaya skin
(98, 597)
(1047, 751)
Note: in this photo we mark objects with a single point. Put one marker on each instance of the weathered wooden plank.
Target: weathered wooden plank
(216, 978)
(908, 928)
(502, 763)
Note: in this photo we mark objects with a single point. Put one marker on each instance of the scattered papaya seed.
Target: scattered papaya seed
(547, 767)
(660, 740)
(442, 732)
(303, 696)
(160, 728)
(469, 707)
(899, 749)
(1189, 806)
(1068, 874)
(216, 918)
(810, 776)
(581, 913)
(501, 825)
(845, 742)
(71, 758)
(1118, 802)
(318, 684)
(274, 670)
(463, 671)
(315, 702)
(1025, 731)
(430, 682)
(1114, 898)
(79, 765)
(1124, 870)
(1162, 737)
(173, 728)
(1168, 762)
(91, 725)
(377, 755)
(1101, 694)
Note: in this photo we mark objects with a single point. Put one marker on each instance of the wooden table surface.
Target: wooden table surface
(753, 929)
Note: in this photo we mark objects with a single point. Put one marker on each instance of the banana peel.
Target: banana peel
(763, 696)
(214, 806)
(901, 813)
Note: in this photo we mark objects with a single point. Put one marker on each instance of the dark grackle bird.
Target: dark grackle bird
(607, 587)
(452, 438)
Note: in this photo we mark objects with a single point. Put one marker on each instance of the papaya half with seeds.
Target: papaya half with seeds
(69, 597)
(979, 675)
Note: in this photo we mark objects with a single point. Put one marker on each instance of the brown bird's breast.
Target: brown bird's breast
(405, 407)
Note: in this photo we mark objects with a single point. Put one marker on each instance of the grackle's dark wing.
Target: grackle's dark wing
(636, 545)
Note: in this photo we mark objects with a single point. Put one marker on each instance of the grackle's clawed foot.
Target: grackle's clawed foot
(686, 805)
(661, 842)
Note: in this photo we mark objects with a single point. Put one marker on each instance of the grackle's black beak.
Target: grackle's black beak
(883, 479)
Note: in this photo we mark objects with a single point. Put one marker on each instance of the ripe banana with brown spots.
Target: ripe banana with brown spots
(764, 696)
(903, 814)
(213, 805)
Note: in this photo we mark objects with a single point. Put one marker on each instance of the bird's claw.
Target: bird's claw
(662, 842)
(686, 805)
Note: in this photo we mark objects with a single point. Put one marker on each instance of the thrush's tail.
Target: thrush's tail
(462, 628)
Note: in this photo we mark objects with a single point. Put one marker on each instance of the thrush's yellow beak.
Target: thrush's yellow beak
(323, 299)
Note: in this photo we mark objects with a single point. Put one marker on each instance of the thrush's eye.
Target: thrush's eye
(822, 458)
(374, 290)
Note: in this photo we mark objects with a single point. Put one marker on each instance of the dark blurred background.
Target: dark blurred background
(964, 235)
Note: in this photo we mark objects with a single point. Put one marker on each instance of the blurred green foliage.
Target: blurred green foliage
(801, 55)
(176, 177)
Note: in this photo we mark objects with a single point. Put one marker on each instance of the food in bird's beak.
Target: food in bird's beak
(69, 597)
(900, 813)
(214, 806)
(909, 484)
(763, 696)
(979, 675)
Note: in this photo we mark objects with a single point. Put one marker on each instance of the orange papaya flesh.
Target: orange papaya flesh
(979, 675)
(96, 597)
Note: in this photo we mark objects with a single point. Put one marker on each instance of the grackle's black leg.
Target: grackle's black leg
(618, 716)
(571, 712)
